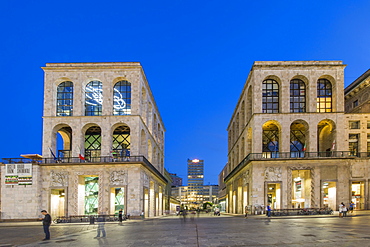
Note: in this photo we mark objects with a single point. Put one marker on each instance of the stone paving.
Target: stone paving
(203, 231)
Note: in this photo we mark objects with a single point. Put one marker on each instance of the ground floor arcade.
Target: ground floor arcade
(286, 184)
(86, 189)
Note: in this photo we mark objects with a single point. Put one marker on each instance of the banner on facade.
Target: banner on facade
(18, 174)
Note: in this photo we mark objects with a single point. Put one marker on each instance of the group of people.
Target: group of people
(343, 209)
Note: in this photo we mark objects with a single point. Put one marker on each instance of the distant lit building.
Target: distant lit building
(195, 182)
(176, 180)
(210, 194)
(180, 193)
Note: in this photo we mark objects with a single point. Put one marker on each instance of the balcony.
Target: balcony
(296, 156)
(87, 161)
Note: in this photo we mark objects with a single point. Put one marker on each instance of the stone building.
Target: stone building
(290, 142)
(103, 146)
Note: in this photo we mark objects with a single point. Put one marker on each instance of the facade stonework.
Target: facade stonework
(103, 146)
(290, 142)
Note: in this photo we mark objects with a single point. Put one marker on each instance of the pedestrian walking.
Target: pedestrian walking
(341, 210)
(268, 210)
(101, 227)
(344, 210)
(46, 222)
(120, 216)
(351, 207)
(142, 214)
(246, 212)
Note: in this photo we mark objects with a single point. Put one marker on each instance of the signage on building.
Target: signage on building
(18, 174)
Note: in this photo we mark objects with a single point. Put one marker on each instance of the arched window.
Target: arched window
(121, 141)
(270, 140)
(122, 98)
(298, 144)
(297, 96)
(93, 98)
(270, 96)
(324, 96)
(92, 142)
(65, 99)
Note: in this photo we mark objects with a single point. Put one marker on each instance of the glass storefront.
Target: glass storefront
(117, 200)
(358, 197)
(329, 194)
(57, 202)
(301, 194)
(91, 195)
(274, 195)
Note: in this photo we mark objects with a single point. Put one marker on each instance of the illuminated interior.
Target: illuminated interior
(329, 194)
(91, 195)
(57, 202)
(274, 195)
(117, 200)
(301, 188)
(358, 195)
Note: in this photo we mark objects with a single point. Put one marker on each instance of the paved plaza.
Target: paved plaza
(205, 230)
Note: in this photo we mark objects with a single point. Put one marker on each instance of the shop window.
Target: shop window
(91, 195)
(301, 188)
(329, 194)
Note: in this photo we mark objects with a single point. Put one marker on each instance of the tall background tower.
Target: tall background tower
(195, 182)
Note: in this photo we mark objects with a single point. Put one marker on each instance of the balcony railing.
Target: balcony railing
(296, 155)
(90, 160)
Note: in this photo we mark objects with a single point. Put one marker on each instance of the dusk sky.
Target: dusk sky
(196, 56)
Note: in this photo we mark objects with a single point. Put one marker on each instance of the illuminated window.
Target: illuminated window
(270, 96)
(65, 99)
(122, 98)
(93, 98)
(297, 96)
(354, 124)
(324, 96)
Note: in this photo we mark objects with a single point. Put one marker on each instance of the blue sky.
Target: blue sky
(196, 56)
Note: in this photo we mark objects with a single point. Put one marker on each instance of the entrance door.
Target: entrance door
(358, 196)
(117, 200)
(329, 194)
(91, 195)
(274, 195)
(301, 188)
(57, 202)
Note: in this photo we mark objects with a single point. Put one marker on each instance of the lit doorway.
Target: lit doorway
(57, 202)
(274, 195)
(91, 195)
(245, 198)
(117, 200)
(146, 202)
(358, 196)
(301, 188)
(329, 194)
